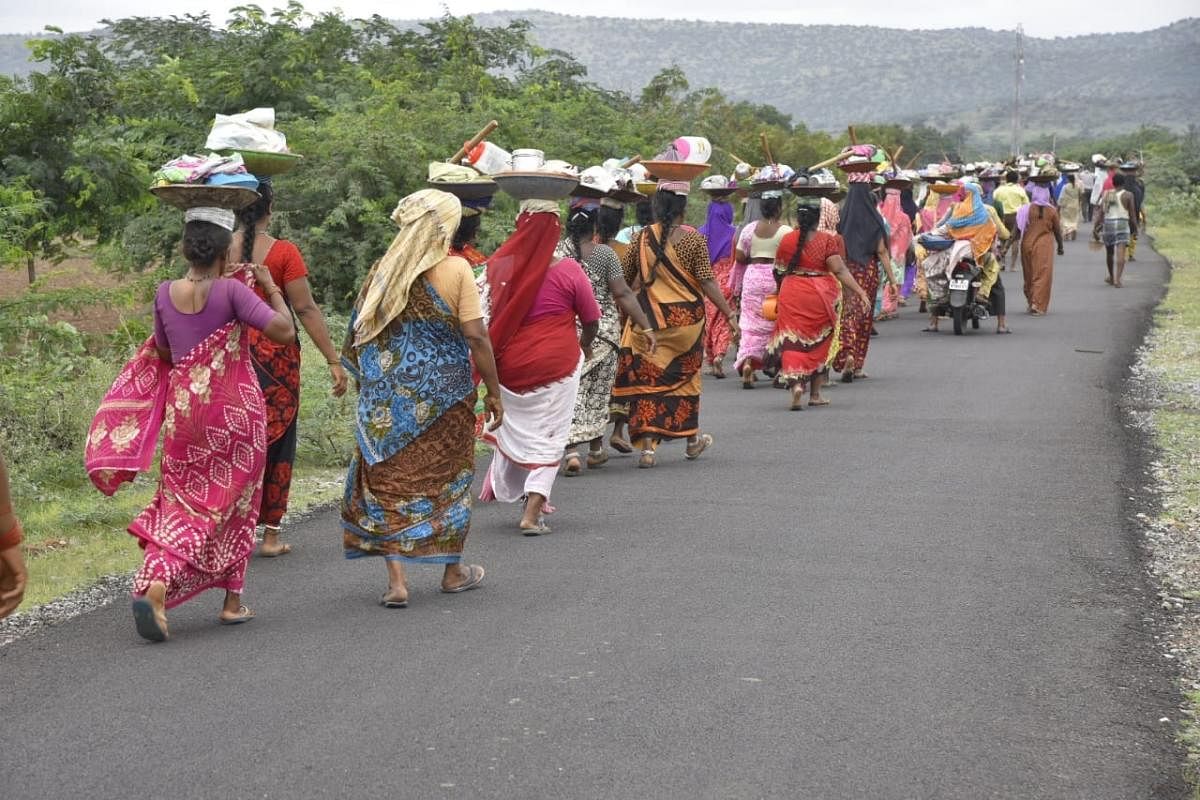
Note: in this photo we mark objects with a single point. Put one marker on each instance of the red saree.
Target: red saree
(810, 300)
(198, 531)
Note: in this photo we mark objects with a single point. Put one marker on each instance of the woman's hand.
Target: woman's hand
(734, 330)
(651, 342)
(493, 411)
(262, 277)
(338, 375)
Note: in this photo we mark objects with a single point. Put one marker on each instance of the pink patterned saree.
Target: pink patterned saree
(198, 531)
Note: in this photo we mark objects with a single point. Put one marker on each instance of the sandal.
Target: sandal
(647, 460)
(703, 442)
(821, 402)
(474, 578)
(718, 371)
(537, 530)
(797, 399)
(243, 615)
(572, 466)
(388, 600)
(620, 444)
(150, 625)
(596, 458)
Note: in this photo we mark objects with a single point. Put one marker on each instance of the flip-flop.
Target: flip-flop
(620, 445)
(387, 601)
(572, 466)
(244, 615)
(472, 582)
(847, 377)
(596, 459)
(1006, 330)
(537, 530)
(647, 460)
(821, 402)
(146, 621)
(929, 330)
(283, 550)
(704, 441)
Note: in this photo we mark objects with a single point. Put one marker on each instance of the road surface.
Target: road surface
(927, 590)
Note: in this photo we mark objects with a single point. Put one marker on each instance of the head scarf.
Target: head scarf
(936, 207)
(901, 225)
(970, 221)
(1039, 195)
(909, 204)
(719, 230)
(221, 217)
(860, 225)
(428, 220)
(970, 211)
(516, 271)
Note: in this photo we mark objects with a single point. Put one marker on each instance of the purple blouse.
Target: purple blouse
(228, 299)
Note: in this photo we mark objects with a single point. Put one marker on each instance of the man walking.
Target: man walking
(1011, 196)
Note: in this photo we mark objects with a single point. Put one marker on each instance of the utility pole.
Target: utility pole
(1019, 57)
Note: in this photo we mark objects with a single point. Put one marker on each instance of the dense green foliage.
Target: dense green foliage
(367, 103)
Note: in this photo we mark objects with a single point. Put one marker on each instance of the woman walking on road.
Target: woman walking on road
(407, 495)
(278, 365)
(866, 243)
(599, 371)
(813, 272)
(1068, 208)
(196, 381)
(537, 295)
(1041, 237)
(670, 270)
(753, 281)
(720, 233)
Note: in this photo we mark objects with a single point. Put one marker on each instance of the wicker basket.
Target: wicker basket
(194, 195)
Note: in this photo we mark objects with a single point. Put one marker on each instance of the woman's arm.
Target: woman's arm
(1058, 236)
(1127, 201)
(306, 308)
(626, 300)
(476, 335)
(885, 258)
(280, 329)
(713, 293)
(12, 564)
(837, 266)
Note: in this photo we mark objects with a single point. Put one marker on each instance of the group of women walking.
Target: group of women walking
(566, 327)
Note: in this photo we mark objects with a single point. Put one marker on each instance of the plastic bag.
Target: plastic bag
(251, 130)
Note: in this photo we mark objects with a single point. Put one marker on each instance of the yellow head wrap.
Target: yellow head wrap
(428, 220)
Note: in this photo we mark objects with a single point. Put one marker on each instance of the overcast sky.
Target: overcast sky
(1040, 18)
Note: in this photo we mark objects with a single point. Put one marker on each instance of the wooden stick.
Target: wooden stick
(895, 157)
(735, 157)
(829, 161)
(913, 160)
(629, 162)
(474, 140)
(762, 137)
(853, 134)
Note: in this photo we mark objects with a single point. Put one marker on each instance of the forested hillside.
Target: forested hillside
(829, 76)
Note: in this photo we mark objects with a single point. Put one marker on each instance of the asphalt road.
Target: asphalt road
(927, 590)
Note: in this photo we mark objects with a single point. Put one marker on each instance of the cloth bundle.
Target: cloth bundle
(202, 169)
(250, 130)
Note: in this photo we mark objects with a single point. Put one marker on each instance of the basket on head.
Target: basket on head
(196, 195)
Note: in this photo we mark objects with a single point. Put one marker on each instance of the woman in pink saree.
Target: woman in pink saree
(194, 381)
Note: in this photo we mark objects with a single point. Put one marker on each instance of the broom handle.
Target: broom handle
(829, 161)
(629, 162)
(474, 140)
(762, 137)
(853, 134)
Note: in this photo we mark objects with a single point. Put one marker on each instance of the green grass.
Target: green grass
(75, 535)
(1174, 358)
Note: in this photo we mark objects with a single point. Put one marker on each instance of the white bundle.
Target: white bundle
(251, 130)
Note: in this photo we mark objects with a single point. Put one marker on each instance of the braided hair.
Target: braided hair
(249, 217)
(581, 227)
(668, 207)
(808, 217)
(468, 229)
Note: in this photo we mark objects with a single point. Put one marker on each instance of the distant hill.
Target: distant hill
(828, 76)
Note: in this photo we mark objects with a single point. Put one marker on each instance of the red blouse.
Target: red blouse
(817, 250)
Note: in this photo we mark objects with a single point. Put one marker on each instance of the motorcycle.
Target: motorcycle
(954, 279)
